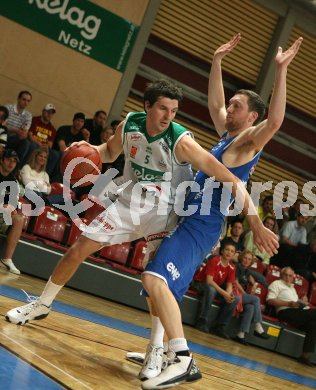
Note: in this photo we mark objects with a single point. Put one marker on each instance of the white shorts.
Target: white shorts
(119, 223)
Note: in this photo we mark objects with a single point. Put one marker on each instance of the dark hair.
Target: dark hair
(236, 221)
(100, 112)
(255, 103)
(5, 111)
(21, 93)
(115, 123)
(162, 88)
(225, 242)
(267, 198)
(269, 217)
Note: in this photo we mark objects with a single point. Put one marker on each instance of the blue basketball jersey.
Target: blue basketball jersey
(212, 197)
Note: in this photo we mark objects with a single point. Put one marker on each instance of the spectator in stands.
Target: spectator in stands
(4, 114)
(282, 295)
(305, 262)
(250, 302)
(236, 231)
(18, 123)
(265, 210)
(269, 222)
(66, 135)
(34, 175)
(218, 283)
(295, 210)
(42, 134)
(310, 227)
(11, 223)
(105, 134)
(95, 126)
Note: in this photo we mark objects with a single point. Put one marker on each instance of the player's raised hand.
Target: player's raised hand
(227, 47)
(265, 239)
(285, 58)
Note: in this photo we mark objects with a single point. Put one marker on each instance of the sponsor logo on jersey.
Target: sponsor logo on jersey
(157, 236)
(162, 164)
(164, 146)
(173, 270)
(133, 151)
(146, 174)
(106, 225)
(136, 137)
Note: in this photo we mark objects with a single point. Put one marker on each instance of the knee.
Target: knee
(18, 221)
(151, 283)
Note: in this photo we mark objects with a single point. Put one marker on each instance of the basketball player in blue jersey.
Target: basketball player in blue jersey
(167, 277)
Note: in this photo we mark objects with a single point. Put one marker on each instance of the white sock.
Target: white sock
(49, 293)
(6, 260)
(241, 335)
(258, 327)
(165, 346)
(179, 344)
(157, 332)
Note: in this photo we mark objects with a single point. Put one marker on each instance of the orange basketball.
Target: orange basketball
(81, 161)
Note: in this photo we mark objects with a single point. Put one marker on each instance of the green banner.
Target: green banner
(78, 24)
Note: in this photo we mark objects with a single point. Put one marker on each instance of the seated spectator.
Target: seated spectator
(95, 126)
(292, 234)
(248, 243)
(305, 262)
(250, 302)
(34, 175)
(295, 210)
(4, 114)
(115, 123)
(265, 210)
(66, 135)
(282, 295)
(42, 134)
(11, 223)
(236, 231)
(218, 283)
(18, 123)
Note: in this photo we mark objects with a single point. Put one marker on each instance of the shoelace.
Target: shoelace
(151, 362)
(30, 298)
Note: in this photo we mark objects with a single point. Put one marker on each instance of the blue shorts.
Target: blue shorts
(181, 253)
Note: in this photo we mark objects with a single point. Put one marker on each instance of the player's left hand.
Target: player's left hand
(285, 58)
(265, 239)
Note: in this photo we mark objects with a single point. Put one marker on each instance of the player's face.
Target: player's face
(228, 252)
(160, 114)
(238, 115)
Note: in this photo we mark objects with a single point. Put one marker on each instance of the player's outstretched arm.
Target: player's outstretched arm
(110, 151)
(216, 96)
(187, 150)
(260, 135)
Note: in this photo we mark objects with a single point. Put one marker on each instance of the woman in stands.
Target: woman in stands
(250, 302)
(34, 175)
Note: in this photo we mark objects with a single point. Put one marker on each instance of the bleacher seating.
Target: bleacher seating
(261, 292)
(94, 210)
(50, 224)
(257, 266)
(301, 285)
(118, 253)
(138, 255)
(273, 273)
(76, 228)
(58, 188)
(20, 211)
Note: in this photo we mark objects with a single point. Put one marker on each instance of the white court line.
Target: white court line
(46, 361)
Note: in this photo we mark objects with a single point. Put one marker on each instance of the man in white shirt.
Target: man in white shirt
(18, 123)
(282, 295)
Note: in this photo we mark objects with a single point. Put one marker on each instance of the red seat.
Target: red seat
(58, 189)
(118, 253)
(257, 266)
(93, 210)
(20, 211)
(76, 228)
(273, 273)
(51, 224)
(312, 296)
(301, 285)
(138, 255)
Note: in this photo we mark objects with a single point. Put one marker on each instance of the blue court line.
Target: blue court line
(17, 374)
(143, 332)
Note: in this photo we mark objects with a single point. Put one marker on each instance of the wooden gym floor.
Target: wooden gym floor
(83, 342)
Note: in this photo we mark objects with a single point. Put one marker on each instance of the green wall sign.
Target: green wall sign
(78, 24)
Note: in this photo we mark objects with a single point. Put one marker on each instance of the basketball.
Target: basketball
(81, 161)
